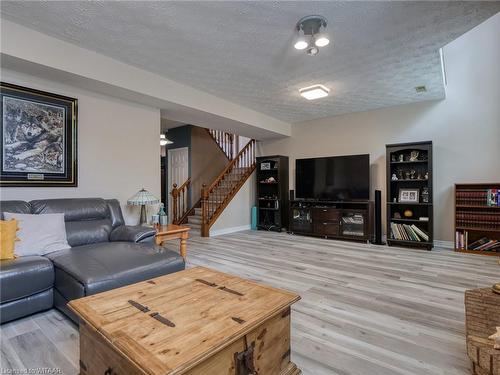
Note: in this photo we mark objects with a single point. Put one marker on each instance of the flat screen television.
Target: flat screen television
(336, 178)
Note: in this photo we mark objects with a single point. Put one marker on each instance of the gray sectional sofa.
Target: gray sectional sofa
(105, 254)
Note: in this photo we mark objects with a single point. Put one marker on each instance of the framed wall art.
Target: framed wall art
(38, 138)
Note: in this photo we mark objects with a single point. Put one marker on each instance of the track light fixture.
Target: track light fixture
(311, 34)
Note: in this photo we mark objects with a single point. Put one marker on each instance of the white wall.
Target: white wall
(464, 128)
(237, 215)
(118, 147)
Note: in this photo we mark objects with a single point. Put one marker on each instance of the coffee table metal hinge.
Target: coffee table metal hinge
(138, 306)
(162, 319)
(244, 361)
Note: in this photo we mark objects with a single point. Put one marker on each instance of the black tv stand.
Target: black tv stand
(343, 220)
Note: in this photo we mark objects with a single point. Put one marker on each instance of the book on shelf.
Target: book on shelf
(406, 232)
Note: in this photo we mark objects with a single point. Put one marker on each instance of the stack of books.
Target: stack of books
(407, 232)
(488, 197)
(475, 220)
(483, 244)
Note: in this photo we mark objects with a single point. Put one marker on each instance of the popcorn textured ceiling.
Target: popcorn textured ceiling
(243, 51)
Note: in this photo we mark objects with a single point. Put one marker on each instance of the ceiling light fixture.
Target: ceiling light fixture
(314, 92)
(164, 141)
(311, 34)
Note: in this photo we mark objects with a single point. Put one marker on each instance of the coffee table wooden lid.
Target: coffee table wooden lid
(200, 311)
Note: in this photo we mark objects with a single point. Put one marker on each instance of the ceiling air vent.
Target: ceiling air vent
(420, 89)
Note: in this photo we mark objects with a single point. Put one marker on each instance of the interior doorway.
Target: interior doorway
(177, 171)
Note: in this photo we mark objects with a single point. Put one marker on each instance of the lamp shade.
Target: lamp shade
(143, 197)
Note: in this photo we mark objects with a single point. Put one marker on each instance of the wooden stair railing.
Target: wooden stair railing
(225, 141)
(216, 197)
(180, 196)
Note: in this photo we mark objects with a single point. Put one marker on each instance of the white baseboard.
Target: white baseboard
(219, 232)
(444, 244)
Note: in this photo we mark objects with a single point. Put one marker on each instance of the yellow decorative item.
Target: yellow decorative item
(8, 229)
(408, 213)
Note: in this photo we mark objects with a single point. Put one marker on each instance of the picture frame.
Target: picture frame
(409, 195)
(266, 166)
(38, 137)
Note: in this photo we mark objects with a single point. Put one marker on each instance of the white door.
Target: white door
(178, 172)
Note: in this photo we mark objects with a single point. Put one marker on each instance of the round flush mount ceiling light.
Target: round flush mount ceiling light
(311, 34)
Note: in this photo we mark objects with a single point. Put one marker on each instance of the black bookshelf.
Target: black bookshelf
(409, 168)
(272, 193)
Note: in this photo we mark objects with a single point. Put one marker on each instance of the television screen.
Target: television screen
(337, 178)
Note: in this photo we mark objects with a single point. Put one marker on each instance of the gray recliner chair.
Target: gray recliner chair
(105, 254)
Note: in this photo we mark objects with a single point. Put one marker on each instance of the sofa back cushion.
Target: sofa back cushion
(88, 220)
(16, 207)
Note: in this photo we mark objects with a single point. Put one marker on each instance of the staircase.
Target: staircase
(215, 197)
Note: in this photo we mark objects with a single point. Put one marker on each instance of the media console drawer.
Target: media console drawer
(326, 228)
(325, 214)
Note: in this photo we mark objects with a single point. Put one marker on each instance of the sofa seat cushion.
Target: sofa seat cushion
(24, 276)
(95, 268)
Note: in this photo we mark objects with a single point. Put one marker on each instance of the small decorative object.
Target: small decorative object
(395, 200)
(397, 215)
(265, 166)
(414, 155)
(426, 176)
(162, 216)
(38, 142)
(408, 213)
(271, 180)
(400, 174)
(401, 157)
(496, 287)
(419, 176)
(409, 195)
(425, 194)
(155, 220)
(412, 174)
(496, 339)
(393, 157)
(407, 175)
(394, 177)
(143, 198)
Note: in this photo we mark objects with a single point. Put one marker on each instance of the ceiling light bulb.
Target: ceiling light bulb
(312, 51)
(164, 141)
(301, 43)
(314, 92)
(321, 40)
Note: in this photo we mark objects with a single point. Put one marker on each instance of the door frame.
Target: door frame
(169, 177)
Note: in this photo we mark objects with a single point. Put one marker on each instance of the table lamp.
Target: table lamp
(143, 198)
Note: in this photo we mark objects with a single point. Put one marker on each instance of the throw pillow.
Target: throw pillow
(39, 234)
(8, 229)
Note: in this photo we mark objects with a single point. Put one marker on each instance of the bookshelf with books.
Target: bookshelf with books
(409, 195)
(477, 218)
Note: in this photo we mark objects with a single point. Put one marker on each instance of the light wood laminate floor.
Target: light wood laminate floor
(365, 309)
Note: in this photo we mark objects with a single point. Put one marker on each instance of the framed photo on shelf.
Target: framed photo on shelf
(38, 135)
(265, 166)
(409, 195)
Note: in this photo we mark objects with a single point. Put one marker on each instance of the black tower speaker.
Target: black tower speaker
(378, 218)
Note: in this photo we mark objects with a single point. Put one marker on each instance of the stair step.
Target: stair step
(194, 220)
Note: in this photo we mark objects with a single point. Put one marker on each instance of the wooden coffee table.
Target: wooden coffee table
(173, 232)
(193, 322)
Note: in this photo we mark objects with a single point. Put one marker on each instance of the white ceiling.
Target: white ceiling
(243, 51)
